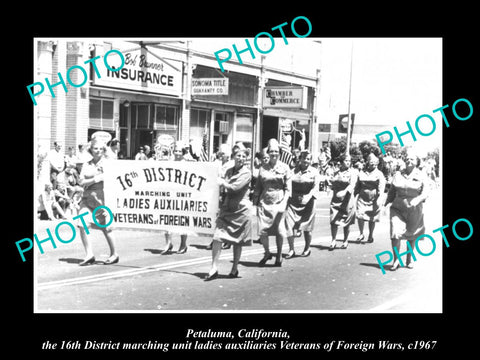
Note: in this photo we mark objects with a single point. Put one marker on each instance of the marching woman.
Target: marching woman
(408, 191)
(300, 214)
(370, 186)
(91, 178)
(342, 206)
(234, 222)
(177, 156)
(272, 190)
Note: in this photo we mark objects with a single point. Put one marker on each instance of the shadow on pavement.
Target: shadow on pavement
(78, 261)
(375, 265)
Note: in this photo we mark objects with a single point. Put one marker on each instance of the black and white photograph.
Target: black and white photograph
(282, 176)
(299, 182)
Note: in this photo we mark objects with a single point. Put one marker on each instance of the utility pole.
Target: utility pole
(349, 132)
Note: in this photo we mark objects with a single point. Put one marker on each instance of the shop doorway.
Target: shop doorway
(142, 138)
(269, 129)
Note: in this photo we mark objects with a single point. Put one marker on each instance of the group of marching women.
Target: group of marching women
(283, 201)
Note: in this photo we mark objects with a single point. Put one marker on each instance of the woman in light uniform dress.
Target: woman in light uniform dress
(272, 190)
(407, 193)
(300, 214)
(342, 205)
(370, 187)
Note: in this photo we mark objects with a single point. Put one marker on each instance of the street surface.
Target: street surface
(339, 280)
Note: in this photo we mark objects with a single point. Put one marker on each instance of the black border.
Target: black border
(456, 26)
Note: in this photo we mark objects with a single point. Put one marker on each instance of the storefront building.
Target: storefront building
(165, 90)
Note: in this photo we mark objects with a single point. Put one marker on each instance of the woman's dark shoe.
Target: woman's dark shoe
(265, 259)
(332, 245)
(290, 254)
(395, 265)
(233, 274)
(88, 261)
(370, 240)
(111, 261)
(278, 263)
(167, 250)
(183, 250)
(212, 277)
(226, 246)
(306, 253)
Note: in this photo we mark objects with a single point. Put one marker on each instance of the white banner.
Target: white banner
(178, 196)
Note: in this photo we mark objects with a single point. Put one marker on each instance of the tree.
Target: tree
(338, 148)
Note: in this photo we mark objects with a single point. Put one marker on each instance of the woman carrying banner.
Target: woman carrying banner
(300, 214)
(91, 178)
(234, 223)
(342, 205)
(370, 186)
(177, 156)
(272, 190)
(408, 191)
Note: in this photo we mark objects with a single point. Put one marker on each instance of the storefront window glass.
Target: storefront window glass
(166, 120)
(198, 118)
(244, 129)
(142, 116)
(101, 114)
(107, 109)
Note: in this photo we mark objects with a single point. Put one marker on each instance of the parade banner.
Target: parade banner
(177, 196)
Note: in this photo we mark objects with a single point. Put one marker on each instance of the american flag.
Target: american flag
(286, 153)
(204, 149)
(328, 157)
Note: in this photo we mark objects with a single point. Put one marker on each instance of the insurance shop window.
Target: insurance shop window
(101, 114)
(166, 120)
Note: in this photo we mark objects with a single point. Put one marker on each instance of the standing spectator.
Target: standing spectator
(91, 178)
(370, 186)
(70, 158)
(342, 206)
(177, 156)
(140, 154)
(56, 158)
(406, 195)
(83, 156)
(271, 194)
(234, 223)
(113, 149)
(148, 152)
(300, 214)
(329, 171)
(261, 158)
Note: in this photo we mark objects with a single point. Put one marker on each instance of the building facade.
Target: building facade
(165, 90)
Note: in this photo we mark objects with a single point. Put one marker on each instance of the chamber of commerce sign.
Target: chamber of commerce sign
(285, 97)
(144, 71)
(210, 86)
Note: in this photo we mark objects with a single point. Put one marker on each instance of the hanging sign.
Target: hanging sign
(285, 97)
(210, 86)
(143, 70)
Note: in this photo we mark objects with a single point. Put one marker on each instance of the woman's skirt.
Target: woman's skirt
(300, 217)
(234, 226)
